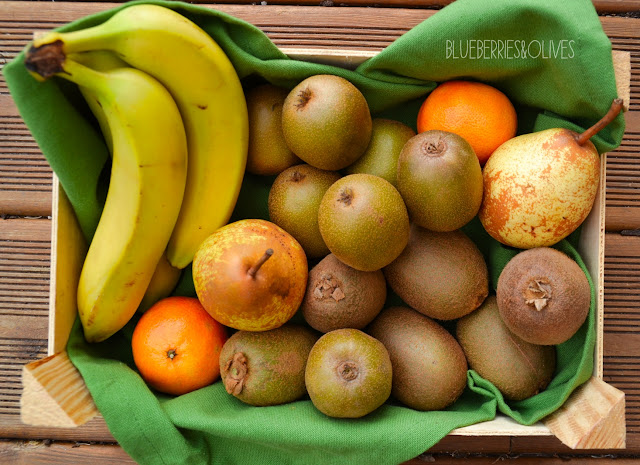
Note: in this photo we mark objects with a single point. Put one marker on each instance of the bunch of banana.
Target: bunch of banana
(165, 277)
(206, 88)
(148, 178)
(152, 214)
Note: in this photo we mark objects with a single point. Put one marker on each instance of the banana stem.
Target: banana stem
(616, 107)
(46, 60)
(254, 269)
(50, 59)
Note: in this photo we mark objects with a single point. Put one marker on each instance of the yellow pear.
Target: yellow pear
(539, 187)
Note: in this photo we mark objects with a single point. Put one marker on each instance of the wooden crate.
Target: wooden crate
(55, 395)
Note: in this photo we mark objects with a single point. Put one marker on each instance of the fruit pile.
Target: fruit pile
(362, 285)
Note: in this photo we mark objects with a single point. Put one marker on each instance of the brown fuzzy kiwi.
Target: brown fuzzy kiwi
(516, 367)
(267, 368)
(268, 153)
(429, 366)
(543, 296)
(443, 275)
(339, 296)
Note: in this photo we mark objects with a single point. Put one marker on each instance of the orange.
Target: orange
(176, 346)
(479, 113)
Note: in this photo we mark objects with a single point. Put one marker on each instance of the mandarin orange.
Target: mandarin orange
(176, 346)
(479, 113)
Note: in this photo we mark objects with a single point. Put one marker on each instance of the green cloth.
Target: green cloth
(562, 87)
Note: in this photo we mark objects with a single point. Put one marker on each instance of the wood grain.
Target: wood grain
(41, 453)
(622, 324)
(54, 393)
(592, 418)
(601, 6)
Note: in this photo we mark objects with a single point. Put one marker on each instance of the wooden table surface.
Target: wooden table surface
(25, 229)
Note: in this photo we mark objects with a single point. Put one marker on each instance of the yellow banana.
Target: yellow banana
(147, 183)
(208, 92)
(164, 280)
(165, 277)
(100, 60)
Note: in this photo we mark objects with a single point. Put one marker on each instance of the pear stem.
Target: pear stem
(616, 106)
(254, 269)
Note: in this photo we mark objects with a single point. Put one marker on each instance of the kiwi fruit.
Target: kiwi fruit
(440, 180)
(339, 296)
(381, 156)
(326, 122)
(348, 374)
(442, 275)
(517, 368)
(429, 366)
(294, 199)
(363, 221)
(543, 296)
(268, 153)
(267, 367)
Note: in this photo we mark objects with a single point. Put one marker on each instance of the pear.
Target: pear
(440, 180)
(381, 157)
(364, 221)
(326, 122)
(294, 199)
(348, 374)
(268, 153)
(539, 187)
(250, 275)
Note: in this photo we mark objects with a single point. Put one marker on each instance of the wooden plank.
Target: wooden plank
(25, 250)
(622, 325)
(54, 393)
(623, 175)
(622, 70)
(37, 232)
(472, 444)
(552, 445)
(601, 6)
(519, 459)
(25, 175)
(11, 427)
(69, 249)
(40, 453)
(592, 418)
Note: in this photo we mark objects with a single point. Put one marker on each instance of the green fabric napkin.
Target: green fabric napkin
(556, 67)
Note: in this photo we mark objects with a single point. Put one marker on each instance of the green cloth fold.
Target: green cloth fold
(571, 86)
